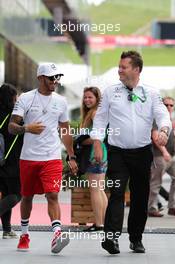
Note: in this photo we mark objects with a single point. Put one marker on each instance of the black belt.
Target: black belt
(114, 148)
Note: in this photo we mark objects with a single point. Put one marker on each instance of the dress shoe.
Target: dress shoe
(171, 211)
(111, 245)
(160, 206)
(155, 213)
(93, 228)
(137, 247)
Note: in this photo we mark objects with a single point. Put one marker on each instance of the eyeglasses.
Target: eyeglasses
(56, 77)
(171, 105)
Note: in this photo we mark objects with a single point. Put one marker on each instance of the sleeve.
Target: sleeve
(160, 113)
(64, 115)
(20, 106)
(101, 119)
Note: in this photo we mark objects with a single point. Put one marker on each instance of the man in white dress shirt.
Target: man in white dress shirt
(129, 108)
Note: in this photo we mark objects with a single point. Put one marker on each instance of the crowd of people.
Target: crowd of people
(130, 138)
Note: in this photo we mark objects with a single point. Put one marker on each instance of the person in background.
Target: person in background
(129, 108)
(95, 171)
(164, 194)
(9, 171)
(163, 162)
(43, 111)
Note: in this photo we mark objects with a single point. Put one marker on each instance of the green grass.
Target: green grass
(130, 14)
(159, 56)
(102, 62)
(44, 12)
(1, 49)
(56, 52)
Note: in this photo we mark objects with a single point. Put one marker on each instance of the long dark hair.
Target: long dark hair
(7, 94)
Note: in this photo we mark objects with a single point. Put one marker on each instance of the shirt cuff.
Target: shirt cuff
(98, 134)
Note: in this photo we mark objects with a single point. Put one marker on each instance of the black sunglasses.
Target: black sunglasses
(56, 77)
(171, 105)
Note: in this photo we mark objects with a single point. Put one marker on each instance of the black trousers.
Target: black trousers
(10, 189)
(133, 165)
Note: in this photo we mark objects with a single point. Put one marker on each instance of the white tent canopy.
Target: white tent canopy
(77, 76)
(162, 78)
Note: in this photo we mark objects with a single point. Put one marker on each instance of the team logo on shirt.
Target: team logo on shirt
(53, 66)
(55, 106)
(117, 92)
(117, 89)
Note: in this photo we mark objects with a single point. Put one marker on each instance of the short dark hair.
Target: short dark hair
(7, 94)
(136, 58)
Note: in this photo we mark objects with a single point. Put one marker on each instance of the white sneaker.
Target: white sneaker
(59, 241)
(11, 234)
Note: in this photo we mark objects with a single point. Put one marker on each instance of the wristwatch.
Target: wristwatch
(73, 157)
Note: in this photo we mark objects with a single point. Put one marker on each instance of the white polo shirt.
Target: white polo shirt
(50, 110)
(130, 123)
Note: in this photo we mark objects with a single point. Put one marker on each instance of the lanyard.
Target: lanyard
(15, 139)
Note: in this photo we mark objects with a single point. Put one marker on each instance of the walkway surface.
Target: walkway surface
(158, 239)
(159, 249)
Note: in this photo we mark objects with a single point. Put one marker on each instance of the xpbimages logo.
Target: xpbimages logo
(85, 183)
(101, 236)
(85, 27)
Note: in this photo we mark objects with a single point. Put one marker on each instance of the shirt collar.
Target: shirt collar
(139, 85)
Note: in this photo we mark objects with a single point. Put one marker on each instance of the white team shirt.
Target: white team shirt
(30, 106)
(130, 123)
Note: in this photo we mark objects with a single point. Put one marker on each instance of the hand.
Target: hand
(98, 152)
(162, 138)
(167, 157)
(35, 128)
(73, 166)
